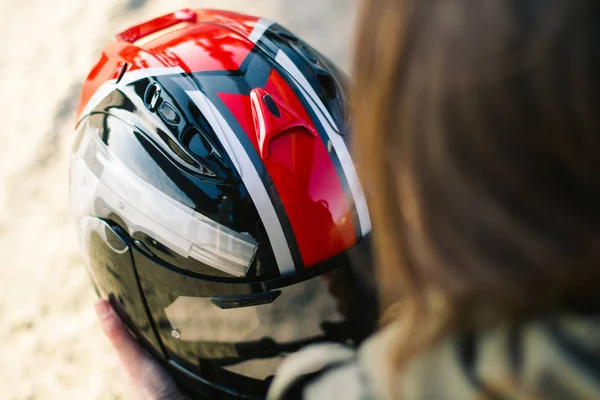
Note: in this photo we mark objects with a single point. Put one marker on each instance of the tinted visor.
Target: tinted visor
(234, 335)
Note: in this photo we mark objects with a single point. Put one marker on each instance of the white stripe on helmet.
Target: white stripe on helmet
(251, 180)
(282, 59)
(259, 29)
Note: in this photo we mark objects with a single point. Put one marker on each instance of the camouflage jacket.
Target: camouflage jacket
(551, 359)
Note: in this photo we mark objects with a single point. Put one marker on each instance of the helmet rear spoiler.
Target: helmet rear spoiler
(155, 25)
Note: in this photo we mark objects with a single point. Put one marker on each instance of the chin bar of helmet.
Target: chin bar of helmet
(97, 174)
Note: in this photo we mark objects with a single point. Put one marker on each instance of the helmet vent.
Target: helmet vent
(268, 124)
(152, 96)
(328, 84)
(169, 113)
(288, 36)
(271, 106)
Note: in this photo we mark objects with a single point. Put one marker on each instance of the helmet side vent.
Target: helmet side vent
(271, 106)
(329, 86)
(152, 96)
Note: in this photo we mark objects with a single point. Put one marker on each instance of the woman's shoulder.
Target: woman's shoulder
(551, 358)
(335, 371)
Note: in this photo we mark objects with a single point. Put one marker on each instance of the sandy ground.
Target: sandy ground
(50, 342)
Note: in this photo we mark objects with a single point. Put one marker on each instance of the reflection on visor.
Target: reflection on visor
(295, 315)
(240, 347)
(248, 341)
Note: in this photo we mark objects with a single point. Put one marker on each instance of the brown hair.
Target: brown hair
(477, 128)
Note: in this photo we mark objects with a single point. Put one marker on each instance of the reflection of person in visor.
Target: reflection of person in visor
(216, 199)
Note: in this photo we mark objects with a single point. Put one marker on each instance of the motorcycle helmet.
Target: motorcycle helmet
(215, 198)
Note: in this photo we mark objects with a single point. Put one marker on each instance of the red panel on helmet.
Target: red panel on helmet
(113, 57)
(215, 42)
(305, 179)
(202, 47)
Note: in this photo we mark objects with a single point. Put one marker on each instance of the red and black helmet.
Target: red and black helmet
(216, 199)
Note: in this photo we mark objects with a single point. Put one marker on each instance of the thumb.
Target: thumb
(144, 373)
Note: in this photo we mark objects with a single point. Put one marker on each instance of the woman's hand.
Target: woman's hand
(149, 379)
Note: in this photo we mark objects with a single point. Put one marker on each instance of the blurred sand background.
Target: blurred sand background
(50, 343)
